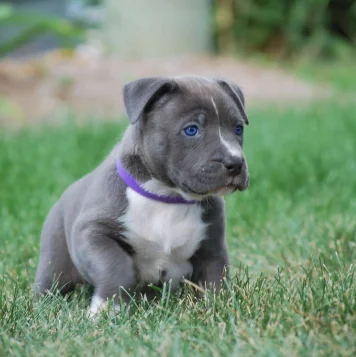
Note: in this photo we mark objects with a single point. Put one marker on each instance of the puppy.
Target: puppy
(153, 210)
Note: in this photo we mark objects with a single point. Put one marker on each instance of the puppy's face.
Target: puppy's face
(192, 138)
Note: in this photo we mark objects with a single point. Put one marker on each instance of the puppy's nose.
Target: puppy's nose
(234, 164)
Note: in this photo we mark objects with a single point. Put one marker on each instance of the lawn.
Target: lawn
(292, 242)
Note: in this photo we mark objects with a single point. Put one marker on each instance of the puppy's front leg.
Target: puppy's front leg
(208, 273)
(103, 263)
(210, 262)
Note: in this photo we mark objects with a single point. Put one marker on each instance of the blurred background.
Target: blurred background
(60, 56)
(291, 235)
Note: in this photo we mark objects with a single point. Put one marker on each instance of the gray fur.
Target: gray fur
(83, 239)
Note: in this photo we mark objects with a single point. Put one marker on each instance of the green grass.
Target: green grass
(292, 241)
(339, 75)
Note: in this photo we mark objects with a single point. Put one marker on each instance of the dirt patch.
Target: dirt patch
(90, 85)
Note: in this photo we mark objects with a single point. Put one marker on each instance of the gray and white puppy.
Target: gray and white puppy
(185, 140)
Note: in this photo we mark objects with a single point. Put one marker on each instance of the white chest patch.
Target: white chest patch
(164, 237)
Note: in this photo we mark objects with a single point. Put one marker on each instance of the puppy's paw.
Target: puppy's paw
(98, 305)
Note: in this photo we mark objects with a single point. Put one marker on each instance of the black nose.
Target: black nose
(234, 164)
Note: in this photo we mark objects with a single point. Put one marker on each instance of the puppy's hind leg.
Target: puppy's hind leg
(55, 265)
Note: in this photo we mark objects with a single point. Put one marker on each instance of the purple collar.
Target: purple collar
(134, 185)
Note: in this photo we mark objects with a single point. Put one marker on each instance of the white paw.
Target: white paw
(98, 304)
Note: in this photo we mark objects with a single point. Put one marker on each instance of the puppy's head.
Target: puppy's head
(191, 132)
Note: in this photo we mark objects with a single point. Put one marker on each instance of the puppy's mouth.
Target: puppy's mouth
(219, 190)
(224, 191)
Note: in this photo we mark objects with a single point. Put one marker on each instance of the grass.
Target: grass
(339, 75)
(292, 241)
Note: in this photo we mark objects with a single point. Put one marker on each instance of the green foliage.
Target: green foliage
(291, 27)
(33, 24)
(293, 231)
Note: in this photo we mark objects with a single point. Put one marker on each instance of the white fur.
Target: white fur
(163, 235)
(98, 304)
(214, 105)
(232, 151)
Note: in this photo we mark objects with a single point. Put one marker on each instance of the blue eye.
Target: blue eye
(191, 130)
(239, 130)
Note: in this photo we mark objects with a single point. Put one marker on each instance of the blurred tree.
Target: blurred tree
(286, 27)
(31, 26)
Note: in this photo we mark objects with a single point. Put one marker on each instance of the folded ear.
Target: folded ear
(139, 95)
(235, 92)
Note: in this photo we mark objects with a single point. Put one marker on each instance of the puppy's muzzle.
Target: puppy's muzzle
(233, 164)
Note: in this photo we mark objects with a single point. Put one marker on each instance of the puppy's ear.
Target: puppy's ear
(139, 95)
(235, 92)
